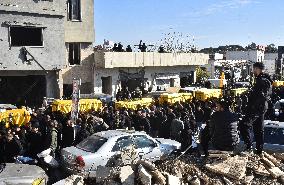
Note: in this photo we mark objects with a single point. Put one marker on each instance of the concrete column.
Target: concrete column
(60, 82)
(54, 86)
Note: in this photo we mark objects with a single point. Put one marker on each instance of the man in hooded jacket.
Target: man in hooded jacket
(256, 108)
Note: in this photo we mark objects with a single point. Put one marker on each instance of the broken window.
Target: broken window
(26, 36)
(74, 10)
(74, 53)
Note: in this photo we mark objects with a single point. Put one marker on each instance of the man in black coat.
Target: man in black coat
(256, 108)
(3, 140)
(224, 128)
(13, 148)
(144, 123)
(35, 141)
(221, 130)
(68, 134)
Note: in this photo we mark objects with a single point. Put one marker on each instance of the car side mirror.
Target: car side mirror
(154, 145)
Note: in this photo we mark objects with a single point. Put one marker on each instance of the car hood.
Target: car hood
(22, 172)
(168, 142)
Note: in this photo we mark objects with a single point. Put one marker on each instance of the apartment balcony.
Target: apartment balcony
(148, 59)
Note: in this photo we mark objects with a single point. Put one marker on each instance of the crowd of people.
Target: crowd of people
(182, 122)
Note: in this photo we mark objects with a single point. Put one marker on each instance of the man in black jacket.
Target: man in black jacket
(222, 129)
(13, 148)
(34, 140)
(256, 108)
(68, 134)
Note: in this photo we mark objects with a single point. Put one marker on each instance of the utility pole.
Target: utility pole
(281, 67)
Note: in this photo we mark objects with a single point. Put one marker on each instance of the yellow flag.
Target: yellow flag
(222, 79)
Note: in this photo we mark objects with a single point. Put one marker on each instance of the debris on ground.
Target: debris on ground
(219, 168)
(73, 179)
(245, 168)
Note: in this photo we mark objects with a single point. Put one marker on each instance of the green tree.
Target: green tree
(252, 46)
(201, 75)
(271, 48)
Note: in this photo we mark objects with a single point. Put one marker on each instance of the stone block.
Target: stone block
(276, 172)
(173, 180)
(144, 176)
(127, 175)
(233, 167)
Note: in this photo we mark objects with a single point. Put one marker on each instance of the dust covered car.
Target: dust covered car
(22, 174)
(84, 158)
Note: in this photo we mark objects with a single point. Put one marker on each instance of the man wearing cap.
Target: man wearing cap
(256, 107)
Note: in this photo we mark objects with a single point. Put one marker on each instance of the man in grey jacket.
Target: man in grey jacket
(176, 127)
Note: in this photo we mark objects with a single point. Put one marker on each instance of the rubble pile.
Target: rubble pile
(226, 168)
(220, 168)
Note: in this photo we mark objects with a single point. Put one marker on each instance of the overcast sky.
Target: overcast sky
(211, 22)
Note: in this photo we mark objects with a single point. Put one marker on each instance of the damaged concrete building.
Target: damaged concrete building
(41, 43)
(149, 70)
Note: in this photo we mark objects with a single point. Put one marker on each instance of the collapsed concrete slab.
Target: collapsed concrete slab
(275, 172)
(234, 167)
(259, 169)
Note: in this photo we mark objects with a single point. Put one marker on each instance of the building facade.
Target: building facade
(150, 70)
(79, 53)
(270, 60)
(44, 45)
(32, 50)
(250, 55)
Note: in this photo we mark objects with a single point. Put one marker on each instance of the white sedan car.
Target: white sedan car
(97, 149)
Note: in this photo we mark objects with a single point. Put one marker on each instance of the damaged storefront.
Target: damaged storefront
(132, 81)
(149, 79)
(28, 87)
(162, 81)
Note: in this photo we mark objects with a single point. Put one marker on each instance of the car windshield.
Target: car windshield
(92, 144)
(274, 135)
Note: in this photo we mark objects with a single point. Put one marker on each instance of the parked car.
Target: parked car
(23, 174)
(273, 137)
(84, 158)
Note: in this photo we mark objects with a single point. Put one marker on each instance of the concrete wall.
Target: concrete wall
(218, 56)
(34, 6)
(81, 31)
(270, 56)
(150, 73)
(83, 71)
(148, 59)
(50, 56)
(46, 60)
(252, 55)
